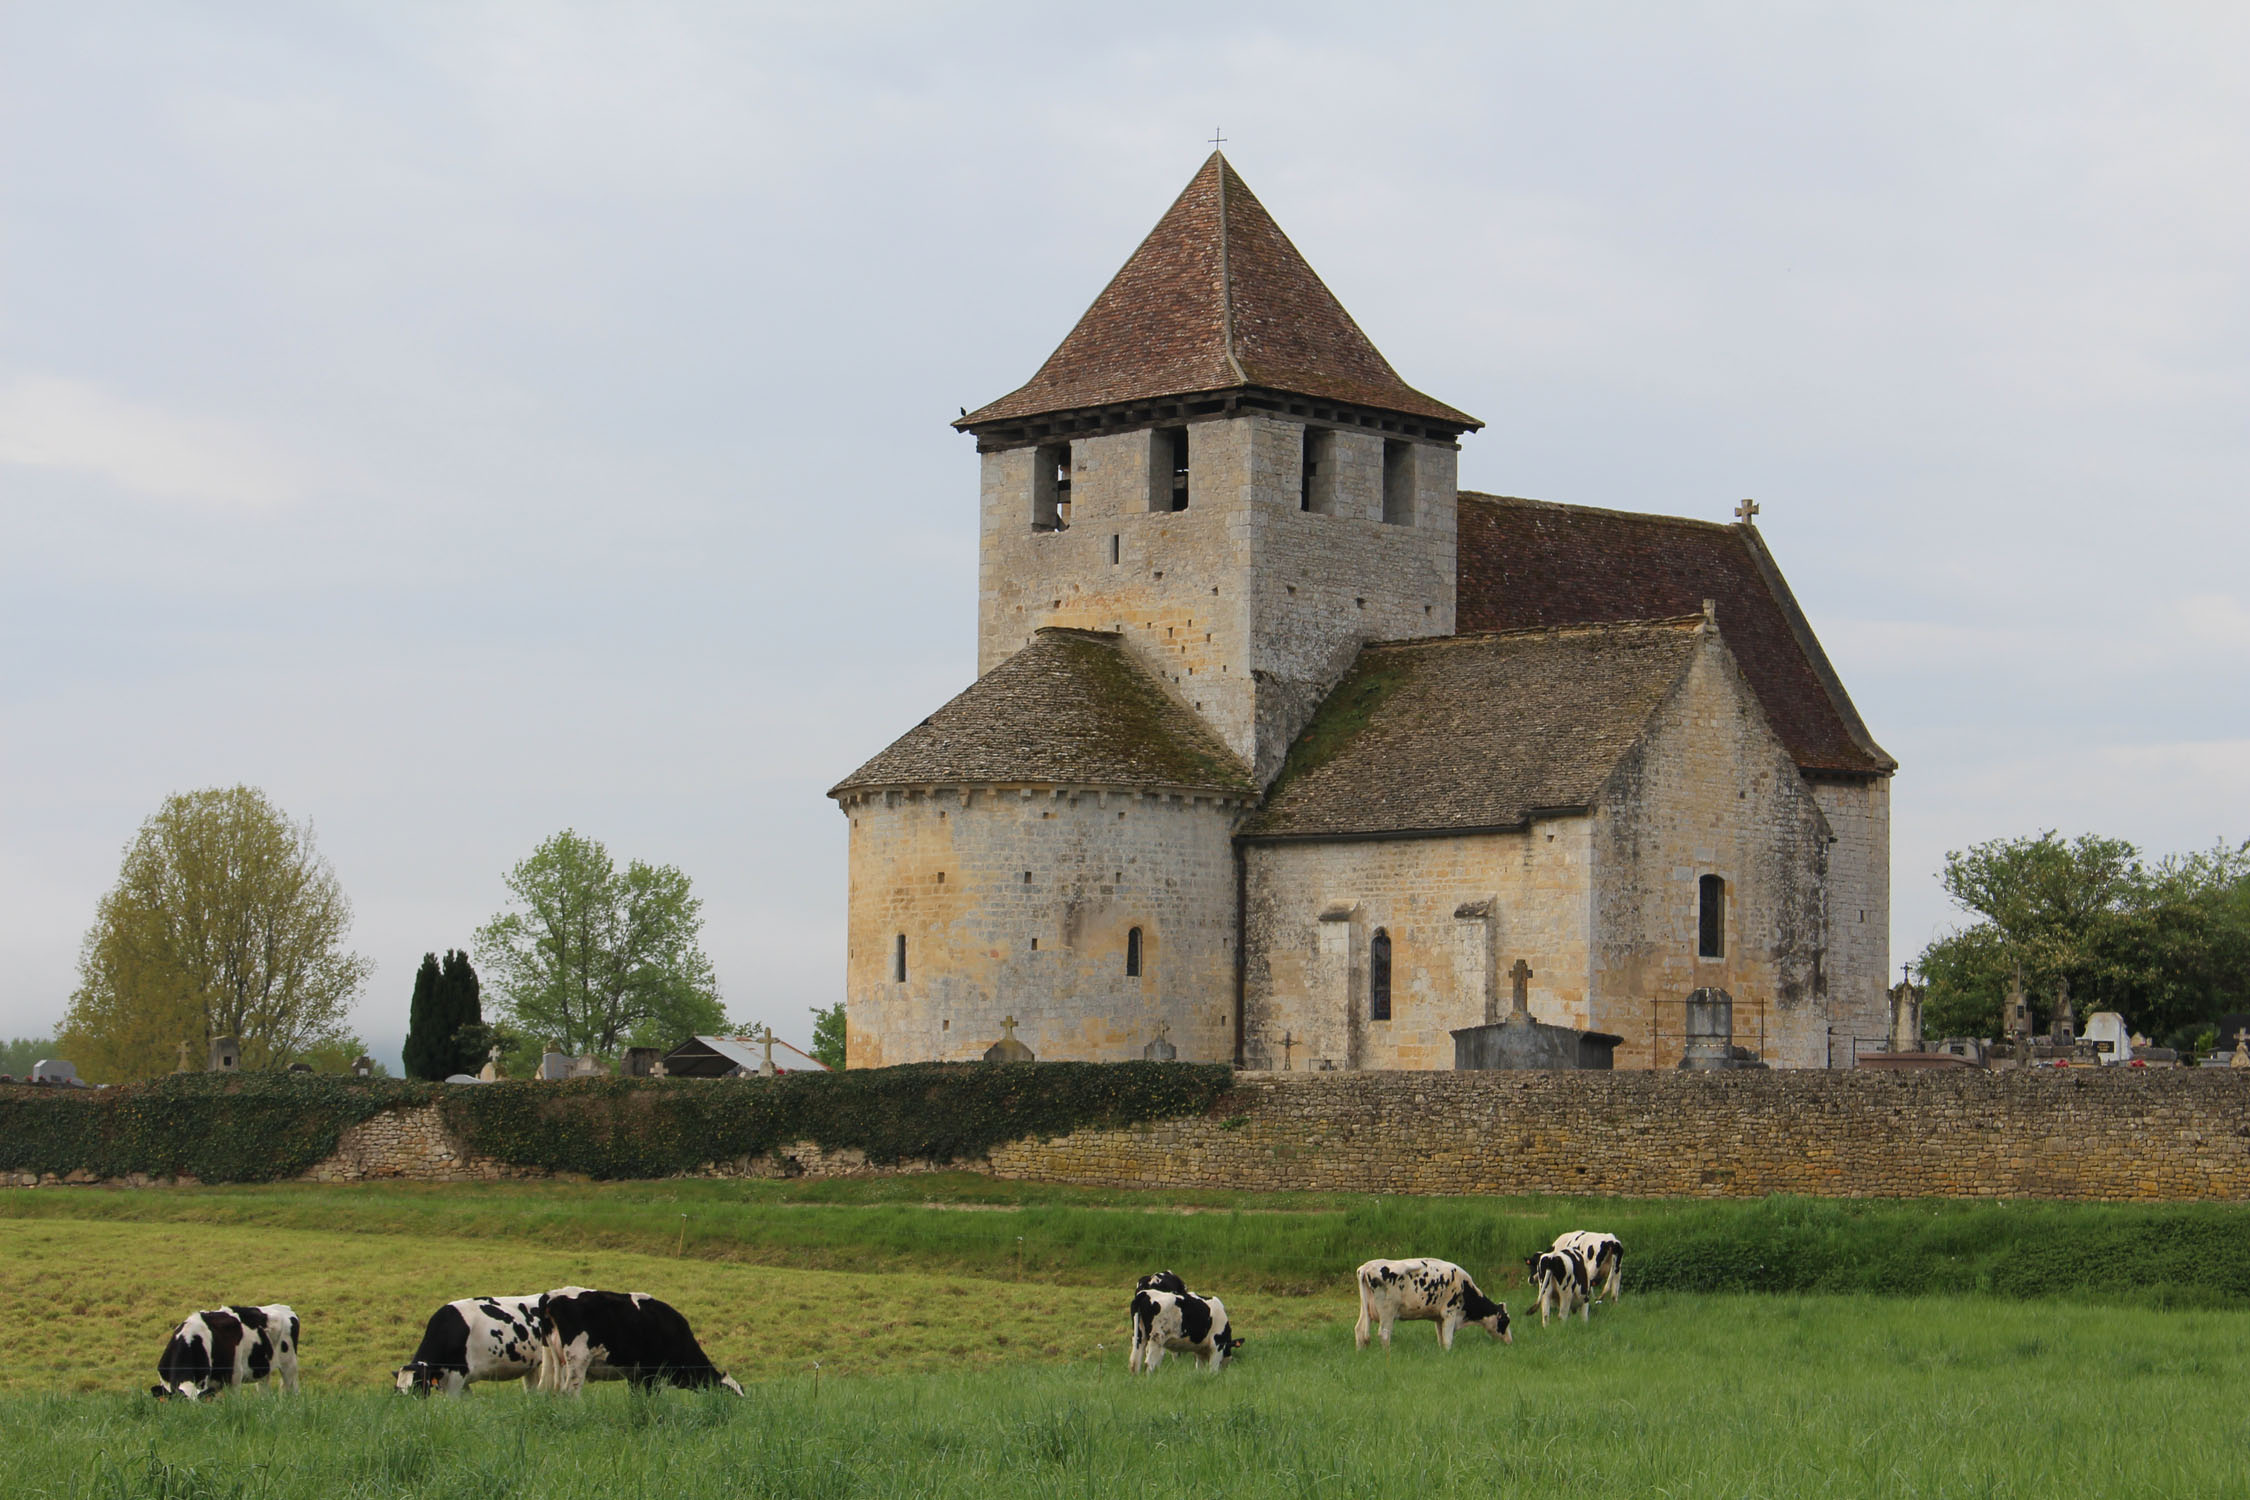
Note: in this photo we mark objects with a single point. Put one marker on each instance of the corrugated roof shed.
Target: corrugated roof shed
(1529, 562)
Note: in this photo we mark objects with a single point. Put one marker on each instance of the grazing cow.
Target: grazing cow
(479, 1338)
(1604, 1255)
(1162, 1281)
(1183, 1321)
(227, 1346)
(622, 1336)
(1559, 1279)
(1426, 1291)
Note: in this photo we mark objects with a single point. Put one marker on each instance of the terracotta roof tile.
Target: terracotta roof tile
(1215, 299)
(1529, 562)
(1475, 731)
(1070, 708)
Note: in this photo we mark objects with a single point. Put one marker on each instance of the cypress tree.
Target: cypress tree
(429, 1039)
(463, 1012)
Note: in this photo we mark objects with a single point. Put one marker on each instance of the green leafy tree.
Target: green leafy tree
(598, 957)
(828, 1034)
(2168, 944)
(19, 1054)
(444, 1031)
(225, 921)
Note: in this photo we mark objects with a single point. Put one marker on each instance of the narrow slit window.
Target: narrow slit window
(1050, 488)
(898, 960)
(1168, 469)
(1133, 954)
(1113, 549)
(1398, 482)
(1379, 977)
(1711, 918)
(1318, 490)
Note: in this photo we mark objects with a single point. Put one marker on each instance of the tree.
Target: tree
(20, 1054)
(595, 957)
(445, 1022)
(2167, 945)
(828, 1034)
(225, 921)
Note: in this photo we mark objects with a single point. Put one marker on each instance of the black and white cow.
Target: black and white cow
(479, 1338)
(1161, 1281)
(1559, 1280)
(1426, 1291)
(1604, 1255)
(622, 1336)
(228, 1346)
(1182, 1321)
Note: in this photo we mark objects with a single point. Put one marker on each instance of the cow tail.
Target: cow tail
(1366, 1314)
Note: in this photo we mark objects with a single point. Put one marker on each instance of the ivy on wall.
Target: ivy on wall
(647, 1127)
(261, 1127)
(217, 1127)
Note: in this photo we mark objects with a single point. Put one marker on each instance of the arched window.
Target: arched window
(898, 960)
(1711, 918)
(1133, 954)
(1379, 977)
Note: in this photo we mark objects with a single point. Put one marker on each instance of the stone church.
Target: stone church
(1285, 750)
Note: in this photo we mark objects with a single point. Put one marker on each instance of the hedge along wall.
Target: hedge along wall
(265, 1127)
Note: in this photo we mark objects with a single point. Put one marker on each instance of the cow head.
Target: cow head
(185, 1390)
(1162, 1281)
(1487, 1314)
(417, 1379)
(1230, 1347)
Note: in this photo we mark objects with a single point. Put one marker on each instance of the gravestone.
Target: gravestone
(363, 1066)
(554, 1065)
(1160, 1048)
(54, 1070)
(1008, 1049)
(1520, 1042)
(1710, 1034)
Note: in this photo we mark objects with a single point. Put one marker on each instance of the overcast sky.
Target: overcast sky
(466, 421)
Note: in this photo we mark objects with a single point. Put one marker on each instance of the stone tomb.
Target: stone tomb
(1521, 1042)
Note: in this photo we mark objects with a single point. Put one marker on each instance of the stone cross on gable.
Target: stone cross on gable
(1745, 511)
(1521, 974)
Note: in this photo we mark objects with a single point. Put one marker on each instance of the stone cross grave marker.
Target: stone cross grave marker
(1287, 1042)
(1521, 974)
(765, 1069)
(2241, 1058)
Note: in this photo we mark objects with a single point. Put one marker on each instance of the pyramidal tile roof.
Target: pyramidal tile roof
(1071, 708)
(1215, 299)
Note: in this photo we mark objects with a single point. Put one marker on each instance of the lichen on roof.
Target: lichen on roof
(1475, 731)
(1070, 708)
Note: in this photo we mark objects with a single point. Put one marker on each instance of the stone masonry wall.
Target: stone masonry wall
(2108, 1134)
(2090, 1134)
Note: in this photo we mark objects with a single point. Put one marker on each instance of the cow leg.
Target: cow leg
(286, 1368)
(1152, 1355)
(1386, 1326)
(1445, 1329)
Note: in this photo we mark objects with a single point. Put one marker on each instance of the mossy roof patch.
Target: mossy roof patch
(1069, 708)
(1476, 731)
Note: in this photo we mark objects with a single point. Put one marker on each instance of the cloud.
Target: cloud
(51, 423)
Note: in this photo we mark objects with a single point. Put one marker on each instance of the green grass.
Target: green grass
(1670, 1395)
(2169, 1255)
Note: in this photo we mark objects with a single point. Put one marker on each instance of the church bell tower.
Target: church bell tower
(1218, 466)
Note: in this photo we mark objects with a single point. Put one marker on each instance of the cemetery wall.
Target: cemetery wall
(2086, 1134)
(2082, 1134)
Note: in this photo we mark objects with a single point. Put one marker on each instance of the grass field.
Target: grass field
(977, 1349)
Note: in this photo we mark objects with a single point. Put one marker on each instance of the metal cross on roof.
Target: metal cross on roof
(1745, 511)
(1217, 139)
